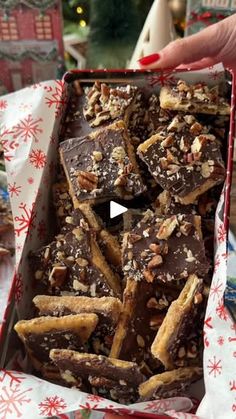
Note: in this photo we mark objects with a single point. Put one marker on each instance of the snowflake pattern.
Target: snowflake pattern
(11, 400)
(18, 287)
(25, 220)
(88, 406)
(57, 97)
(37, 158)
(221, 311)
(14, 190)
(207, 325)
(12, 376)
(220, 340)
(164, 78)
(216, 289)
(216, 263)
(232, 385)
(30, 180)
(27, 129)
(7, 143)
(214, 367)
(221, 233)
(95, 398)
(52, 406)
(3, 105)
(158, 406)
(215, 75)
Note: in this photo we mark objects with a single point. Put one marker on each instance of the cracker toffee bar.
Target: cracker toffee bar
(126, 143)
(107, 377)
(107, 309)
(101, 166)
(73, 263)
(184, 159)
(41, 334)
(164, 249)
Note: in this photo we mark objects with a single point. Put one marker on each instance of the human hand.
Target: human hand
(215, 44)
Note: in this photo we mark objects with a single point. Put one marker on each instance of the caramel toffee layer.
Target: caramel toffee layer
(144, 308)
(100, 166)
(169, 384)
(73, 263)
(183, 314)
(183, 158)
(194, 98)
(164, 249)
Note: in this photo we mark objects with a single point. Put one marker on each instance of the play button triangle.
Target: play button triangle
(116, 209)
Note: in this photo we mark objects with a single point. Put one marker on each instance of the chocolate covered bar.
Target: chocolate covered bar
(144, 308)
(41, 334)
(169, 384)
(184, 159)
(73, 263)
(164, 249)
(169, 343)
(113, 378)
(64, 207)
(106, 308)
(101, 166)
(106, 103)
(197, 98)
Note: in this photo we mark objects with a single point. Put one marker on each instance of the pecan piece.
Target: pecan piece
(167, 228)
(87, 180)
(148, 275)
(155, 262)
(57, 276)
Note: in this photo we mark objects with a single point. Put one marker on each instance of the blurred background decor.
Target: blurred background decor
(31, 45)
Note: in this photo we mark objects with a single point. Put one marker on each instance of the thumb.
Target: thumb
(206, 43)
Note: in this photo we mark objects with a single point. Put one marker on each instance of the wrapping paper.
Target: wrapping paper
(29, 130)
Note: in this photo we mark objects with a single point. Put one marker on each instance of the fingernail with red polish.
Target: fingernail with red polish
(149, 59)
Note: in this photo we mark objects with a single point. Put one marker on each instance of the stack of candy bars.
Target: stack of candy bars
(122, 308)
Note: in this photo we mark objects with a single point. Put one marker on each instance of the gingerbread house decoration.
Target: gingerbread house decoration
(31, 46)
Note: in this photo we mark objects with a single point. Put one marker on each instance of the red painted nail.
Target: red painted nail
(149, 59)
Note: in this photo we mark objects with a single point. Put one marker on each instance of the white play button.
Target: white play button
(116, 209)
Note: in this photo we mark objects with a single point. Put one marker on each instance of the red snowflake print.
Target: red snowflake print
(232, 385)
(220, 340)
(221, 234)
(52, 406)
(30, 180)
(158, 406)
(217, 263)
(95, 398)
(25, 220)
(214, 366)
(230, 339)
(3, 105)
(88, 406)
(207, 325)
(221, 311)
(224, 255)
(11, 400)
(18, 288)
(7, 143)
(14, 377)
(38, 158)
(57, 97)
(27, 128)
(165, 78)
(41, 229)
(234, 407)
(14, 190)
(216, 289)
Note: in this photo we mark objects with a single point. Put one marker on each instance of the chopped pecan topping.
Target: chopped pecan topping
(198, 298)
(134, 237)
(167, 228)
(97, 155)
(148, 275)
(87, 180)
(156, 321)
(155, 262)
(140, 341)
(57, 276)
(118, 153)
